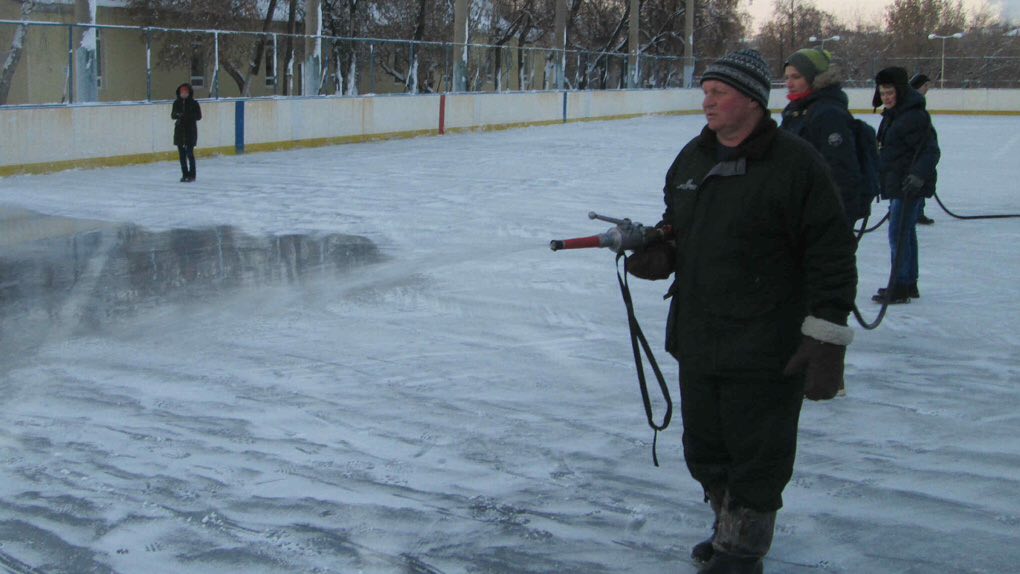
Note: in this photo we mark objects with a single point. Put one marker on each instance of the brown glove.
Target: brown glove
(822, 365)
(654, 262)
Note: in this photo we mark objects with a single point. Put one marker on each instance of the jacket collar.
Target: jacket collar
(755, 147)
(833, 92)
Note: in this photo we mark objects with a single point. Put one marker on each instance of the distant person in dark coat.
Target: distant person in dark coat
(908, 156)
(922, 84)
(187, 114)
(819, 113)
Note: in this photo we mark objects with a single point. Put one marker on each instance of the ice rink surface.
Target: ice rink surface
(467, 402)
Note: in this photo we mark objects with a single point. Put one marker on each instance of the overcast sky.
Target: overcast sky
(868, 9)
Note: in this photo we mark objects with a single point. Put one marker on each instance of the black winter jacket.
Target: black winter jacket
(907, 145)
(188, 113)
(761, 243)
(824, 120)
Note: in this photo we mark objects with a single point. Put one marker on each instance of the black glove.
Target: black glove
(654, 262)
(822, 365)
(912, 186)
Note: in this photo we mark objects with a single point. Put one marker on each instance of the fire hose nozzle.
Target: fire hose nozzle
(625, 235)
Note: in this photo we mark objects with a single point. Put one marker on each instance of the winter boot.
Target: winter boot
(703, 551)
(725, 563)
(742, 539)
(925, 220)
(897, 296)
(914, 293)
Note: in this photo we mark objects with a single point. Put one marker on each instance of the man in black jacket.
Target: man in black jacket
(922, 83)
(908, 156)
(818, 111)
(765, 278)
(187, 114)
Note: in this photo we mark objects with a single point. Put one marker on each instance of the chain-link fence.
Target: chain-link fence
(58, 63)
(954, 72)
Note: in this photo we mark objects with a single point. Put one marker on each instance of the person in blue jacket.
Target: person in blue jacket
(818, 111)
(908, 156)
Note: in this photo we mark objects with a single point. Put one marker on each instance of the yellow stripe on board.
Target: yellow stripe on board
(1000, 113)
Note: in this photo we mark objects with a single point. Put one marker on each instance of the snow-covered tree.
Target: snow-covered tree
(10, 63)
(239, 55)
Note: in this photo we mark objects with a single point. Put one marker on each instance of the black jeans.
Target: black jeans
(740, 433)
(187, 155)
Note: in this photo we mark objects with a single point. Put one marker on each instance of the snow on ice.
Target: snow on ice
(463, 399)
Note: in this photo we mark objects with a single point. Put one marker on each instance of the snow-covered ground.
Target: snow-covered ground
(468, 404)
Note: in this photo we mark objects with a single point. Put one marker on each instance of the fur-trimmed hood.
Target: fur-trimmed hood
(831, 77)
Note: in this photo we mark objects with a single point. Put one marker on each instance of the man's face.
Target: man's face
(726, 109)
(796, 83)
(888, 94)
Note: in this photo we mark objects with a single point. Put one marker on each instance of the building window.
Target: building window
(197, 67)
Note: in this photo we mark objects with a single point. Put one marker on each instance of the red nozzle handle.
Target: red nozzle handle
(576, 243)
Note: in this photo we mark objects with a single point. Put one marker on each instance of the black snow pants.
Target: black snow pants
(186, 153)
(740, 433)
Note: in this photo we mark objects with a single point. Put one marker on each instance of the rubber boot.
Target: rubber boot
(703, 551)
(898, 295)
(742, 539)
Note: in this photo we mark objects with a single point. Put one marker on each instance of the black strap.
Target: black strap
(637, 343)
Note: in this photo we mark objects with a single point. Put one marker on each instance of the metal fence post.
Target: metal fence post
(216, 65)
(70, 63)
(276, 65)
(148, 65)
(371, 68)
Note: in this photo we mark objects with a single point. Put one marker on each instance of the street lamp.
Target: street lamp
(835, 38)
(942, 74)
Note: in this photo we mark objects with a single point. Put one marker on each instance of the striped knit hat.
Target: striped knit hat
(746, 71)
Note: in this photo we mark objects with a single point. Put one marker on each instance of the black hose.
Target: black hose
(864, 226)
(900, 234)
(951, 214)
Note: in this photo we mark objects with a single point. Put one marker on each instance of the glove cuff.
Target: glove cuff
(826, 331)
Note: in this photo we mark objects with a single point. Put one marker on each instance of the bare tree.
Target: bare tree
(416, 66)
(790, 28)
(236, 15)
(260, 49)
(599, 27)
(10, 64)
(288, 59)
(908, 23)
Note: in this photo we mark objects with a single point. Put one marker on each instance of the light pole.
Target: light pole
(835, 38)
(942, 74)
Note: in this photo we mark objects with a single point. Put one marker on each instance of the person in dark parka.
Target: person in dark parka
(764, 280)
(818, 111)
(922, 83)
(187, 113)
(908, 156)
